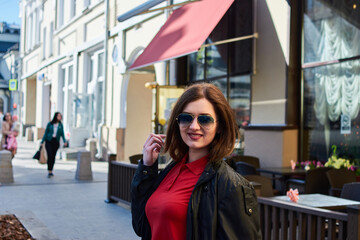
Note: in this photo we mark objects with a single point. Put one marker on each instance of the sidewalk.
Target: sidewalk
(68, 208)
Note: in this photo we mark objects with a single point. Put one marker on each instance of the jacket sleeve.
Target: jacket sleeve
(46, 131)
(63, 133)
(142, 187)
(238, 214)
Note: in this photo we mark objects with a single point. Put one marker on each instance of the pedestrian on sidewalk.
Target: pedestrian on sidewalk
(6, 130)
(198, 195)
(53, 132)
(11, 142)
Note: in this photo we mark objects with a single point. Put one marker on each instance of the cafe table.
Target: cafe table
(282, 174)
(319, 201)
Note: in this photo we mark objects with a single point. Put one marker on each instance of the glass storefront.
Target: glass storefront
(331, 76)
(228, 66)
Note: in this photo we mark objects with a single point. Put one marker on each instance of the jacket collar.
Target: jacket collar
(209, 172)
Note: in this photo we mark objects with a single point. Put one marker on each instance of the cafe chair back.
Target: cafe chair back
(315, 181)
(248, 159)
(337, 179)
(266, 189)
(351, 191)
(245, 168)
(134, 159)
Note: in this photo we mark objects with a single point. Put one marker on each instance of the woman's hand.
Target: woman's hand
(151, 149)
(65, 144)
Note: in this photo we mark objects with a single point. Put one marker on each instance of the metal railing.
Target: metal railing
(119, 181)
(281, 220)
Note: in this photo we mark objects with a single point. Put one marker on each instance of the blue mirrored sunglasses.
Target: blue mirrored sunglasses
(185, 119)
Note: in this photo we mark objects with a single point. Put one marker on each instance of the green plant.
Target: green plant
(336, 162)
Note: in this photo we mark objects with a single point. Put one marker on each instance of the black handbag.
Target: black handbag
(37, 154)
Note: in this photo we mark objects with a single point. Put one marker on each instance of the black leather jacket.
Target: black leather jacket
(223, 205)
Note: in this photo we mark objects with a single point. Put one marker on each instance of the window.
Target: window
(331, 91)
(95, 87)
(38, 25)
(60, 13)
(51, 33)
(73, 9)
(87, 3)
(228, 66)
(28, 32)
(66, 93)
(44, 43)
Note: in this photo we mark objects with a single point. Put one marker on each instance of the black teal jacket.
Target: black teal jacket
(223, 204)
(50, 130)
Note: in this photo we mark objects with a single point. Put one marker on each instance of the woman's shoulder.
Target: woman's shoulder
(230, 177)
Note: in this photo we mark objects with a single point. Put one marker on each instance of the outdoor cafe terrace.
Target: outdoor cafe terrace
(327, 205)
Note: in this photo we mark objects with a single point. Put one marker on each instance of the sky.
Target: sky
(9, 11)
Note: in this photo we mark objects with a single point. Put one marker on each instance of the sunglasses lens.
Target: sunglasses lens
(205, 120)
(185, 119)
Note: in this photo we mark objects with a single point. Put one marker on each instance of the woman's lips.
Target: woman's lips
(195, 136)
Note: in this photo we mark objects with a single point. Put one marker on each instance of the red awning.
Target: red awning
(184, 32)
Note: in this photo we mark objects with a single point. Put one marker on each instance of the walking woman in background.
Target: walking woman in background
(53, 132)
(6, 130)
(198, 195)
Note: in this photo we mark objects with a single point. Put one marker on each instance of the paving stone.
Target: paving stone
(68, 208)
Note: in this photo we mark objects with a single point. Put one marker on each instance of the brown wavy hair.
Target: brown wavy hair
(227, 130)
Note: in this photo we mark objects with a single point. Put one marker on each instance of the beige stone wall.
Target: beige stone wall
(122, 6)
(268, 103)
(274, 148)
(68, 42)
(29, 100)
(94, 27)
(141, 36)
(138, 114)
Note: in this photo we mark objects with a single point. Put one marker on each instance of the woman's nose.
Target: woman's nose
(194, 124)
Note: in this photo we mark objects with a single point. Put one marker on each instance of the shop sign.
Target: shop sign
(345, 124)
(12, 84)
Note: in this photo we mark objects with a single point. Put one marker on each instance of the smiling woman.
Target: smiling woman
(197, 196)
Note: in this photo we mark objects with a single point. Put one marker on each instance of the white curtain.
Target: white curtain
(337, 86)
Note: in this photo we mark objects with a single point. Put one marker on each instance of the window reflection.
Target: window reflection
(331, 31)
(197, 64)
(216, 61)
(240, 88)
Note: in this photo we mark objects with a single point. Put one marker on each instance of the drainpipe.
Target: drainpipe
(103, 118)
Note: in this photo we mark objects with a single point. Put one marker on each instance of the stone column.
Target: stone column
(6, 171)
(91, 146)
(83, 170)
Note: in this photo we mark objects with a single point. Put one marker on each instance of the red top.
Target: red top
(167, 207)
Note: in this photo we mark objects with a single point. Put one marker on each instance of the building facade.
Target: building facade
(62, 65)
(331, 79)
(80, 62)
(9, 66)
(255, 74)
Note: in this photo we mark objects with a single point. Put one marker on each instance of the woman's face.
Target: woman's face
(8, 117)
(198, 137)
(59, 117)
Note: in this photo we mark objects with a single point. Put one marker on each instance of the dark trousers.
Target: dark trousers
(51, 149)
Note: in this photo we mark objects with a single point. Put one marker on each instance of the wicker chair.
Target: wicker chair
(245, 168)
(351, 191)
(337, 179)
(254, 161)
